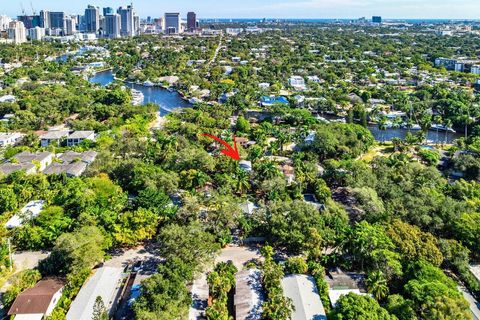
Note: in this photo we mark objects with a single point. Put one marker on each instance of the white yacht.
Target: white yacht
(137, 97)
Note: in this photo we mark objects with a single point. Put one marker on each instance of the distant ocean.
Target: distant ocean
(412, 21)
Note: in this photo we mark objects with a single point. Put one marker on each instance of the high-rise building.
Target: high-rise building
(57, 20)
(4, 22)
(30, 21)
(108, 11)
(36, 34)
(17, 32)
(44, 19)
(172, 23)
(70, 25)
(191, 21)
(136, 24)
(377, 19)
(112, 26)
(127, 19)
(92, 19)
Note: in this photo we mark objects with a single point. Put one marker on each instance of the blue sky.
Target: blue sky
(459, 9)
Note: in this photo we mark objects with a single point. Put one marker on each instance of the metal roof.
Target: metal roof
(306, 300)
(103, 283)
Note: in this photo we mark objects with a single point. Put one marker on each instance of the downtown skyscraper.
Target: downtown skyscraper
(92, 19)
(127, 18)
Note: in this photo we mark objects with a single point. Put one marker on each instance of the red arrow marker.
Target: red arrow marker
(229, 151)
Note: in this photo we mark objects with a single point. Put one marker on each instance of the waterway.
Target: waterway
(169, 101)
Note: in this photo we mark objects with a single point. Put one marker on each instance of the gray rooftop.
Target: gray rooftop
(248, 295)
(71, 156)
(81, 134)
(28, 157)
(54, 135)
(8, 168)
(103, 283)
(74, 169)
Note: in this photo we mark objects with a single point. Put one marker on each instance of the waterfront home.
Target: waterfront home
(38, 302)
(303, 292)
(79, 136)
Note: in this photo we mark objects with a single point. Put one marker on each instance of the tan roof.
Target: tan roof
(36, 299)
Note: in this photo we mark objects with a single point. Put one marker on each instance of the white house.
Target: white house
(8, 98)
(42, 159)
(297, 82)
(37, 302)
(105, 283)
(31, 210)
(53, 137)
(305, 298)
(79, 136)
(10, 138)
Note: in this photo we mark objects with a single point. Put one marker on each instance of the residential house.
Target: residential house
(297, 82)
(79, 136)
(40, 159)
(8, 98)
(342, 283)
(73, 164)
(10, 138)
(70, 156)
(105, 283)
(264, 85)
(305, 298)
(249, 296)
(31, 210)
(246, 165)
(8, 168)
(55, 137)
(74, 169)
(289, 173)
(38, 302)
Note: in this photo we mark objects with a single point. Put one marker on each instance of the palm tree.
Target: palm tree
(382, 126)
(242, 181)
(268, 170)
(448, 125)
(377, 285)
(438, 120)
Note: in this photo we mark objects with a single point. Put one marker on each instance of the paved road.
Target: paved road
(122, 259)
(474, 305)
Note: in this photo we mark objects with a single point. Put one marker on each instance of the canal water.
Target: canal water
(169, 101)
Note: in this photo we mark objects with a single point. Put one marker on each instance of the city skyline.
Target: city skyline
(308, 9)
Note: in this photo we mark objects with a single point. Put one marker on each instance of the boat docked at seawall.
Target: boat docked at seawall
(441, 127)
(148, 83)
(137, 97)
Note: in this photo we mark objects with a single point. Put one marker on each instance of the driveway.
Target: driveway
(239, 255)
